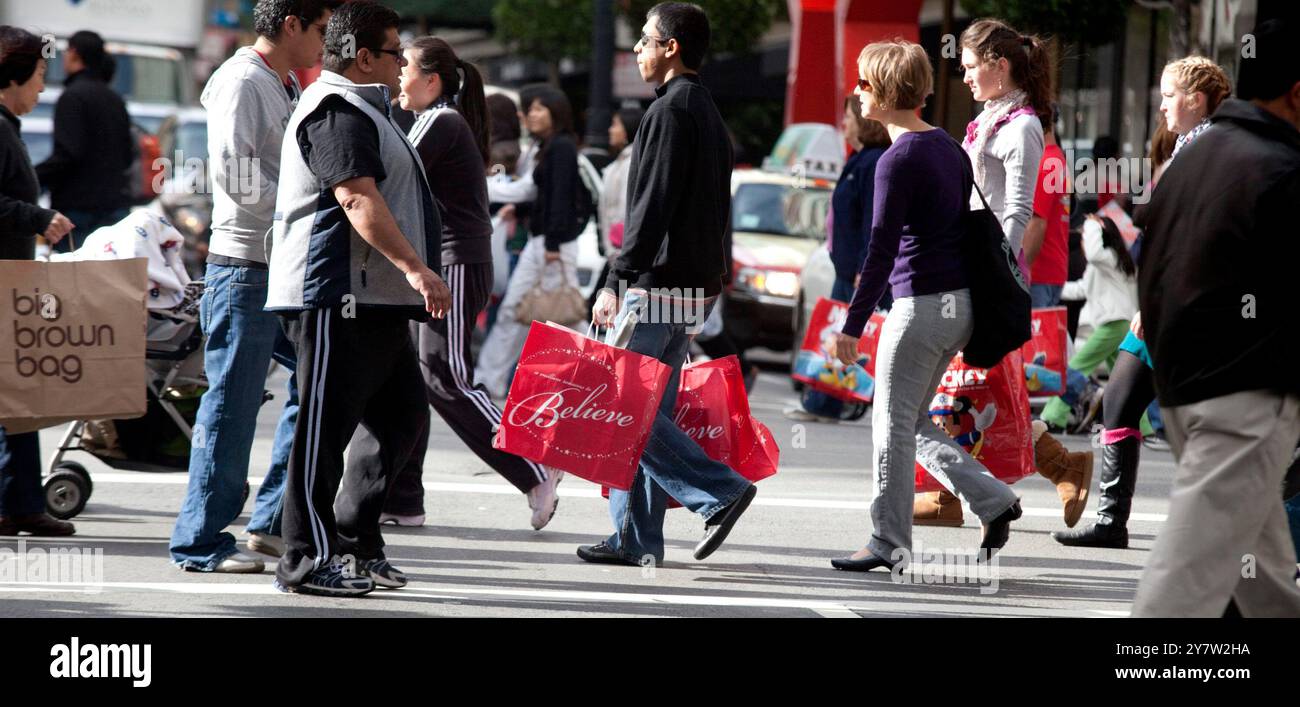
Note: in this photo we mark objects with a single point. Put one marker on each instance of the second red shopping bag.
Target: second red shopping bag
(581, 406)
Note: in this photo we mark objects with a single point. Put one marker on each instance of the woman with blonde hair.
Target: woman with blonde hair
(1191, 89)
(922, 190)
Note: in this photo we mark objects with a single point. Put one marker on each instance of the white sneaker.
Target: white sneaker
(272, 545)
(543, 499)
(239, 563)
(798, 414)
(404, 521)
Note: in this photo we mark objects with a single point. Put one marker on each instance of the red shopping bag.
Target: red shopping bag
(580, 405)
(816, 366)
(713, 409)
(987, 412)
(1045, 353)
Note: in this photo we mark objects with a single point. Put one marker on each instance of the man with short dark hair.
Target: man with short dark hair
(93, 147)
(1219, 314)
(248, 99)
(674, 257)
(357, 241)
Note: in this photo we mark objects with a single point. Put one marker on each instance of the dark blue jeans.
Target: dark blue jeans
(672, 462)
(1045, 295)
(20, 476)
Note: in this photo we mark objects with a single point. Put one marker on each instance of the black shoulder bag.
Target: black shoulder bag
(999, 293)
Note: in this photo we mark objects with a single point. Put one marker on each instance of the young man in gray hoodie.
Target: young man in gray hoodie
(249, 100)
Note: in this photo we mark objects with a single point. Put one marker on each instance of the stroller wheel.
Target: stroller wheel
(74, 466)
(66, 491)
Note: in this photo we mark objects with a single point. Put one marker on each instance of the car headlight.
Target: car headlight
(778, 283)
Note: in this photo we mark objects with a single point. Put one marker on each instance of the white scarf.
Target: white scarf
(995, 113)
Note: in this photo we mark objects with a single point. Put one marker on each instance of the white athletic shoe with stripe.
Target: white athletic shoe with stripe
(543, 499)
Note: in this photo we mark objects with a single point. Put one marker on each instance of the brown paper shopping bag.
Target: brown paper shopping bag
(72, 341)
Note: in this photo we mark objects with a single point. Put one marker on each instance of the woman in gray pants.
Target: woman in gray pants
(922, 190)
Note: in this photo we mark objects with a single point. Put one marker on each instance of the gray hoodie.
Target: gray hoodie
(248, 108)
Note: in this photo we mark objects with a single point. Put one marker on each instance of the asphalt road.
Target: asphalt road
(477, 555)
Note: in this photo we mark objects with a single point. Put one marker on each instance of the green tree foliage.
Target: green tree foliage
(735, 25)
(1091, 22)
(547, 30)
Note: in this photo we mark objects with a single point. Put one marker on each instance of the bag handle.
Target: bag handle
(969, 172)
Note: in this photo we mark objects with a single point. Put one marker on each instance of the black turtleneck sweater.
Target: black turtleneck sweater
(679, 195)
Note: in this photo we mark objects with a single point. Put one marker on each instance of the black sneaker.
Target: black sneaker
(382, 572)
(719, 526)
(602, 553)
(331, 581)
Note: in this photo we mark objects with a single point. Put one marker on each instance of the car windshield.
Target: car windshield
(39, 146)
(147, 79)
(192, 140)
(781, 209)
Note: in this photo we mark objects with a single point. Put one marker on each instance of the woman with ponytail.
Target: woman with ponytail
(1010, 73)
(451, 134)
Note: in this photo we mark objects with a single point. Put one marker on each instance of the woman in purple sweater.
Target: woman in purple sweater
(921, 192)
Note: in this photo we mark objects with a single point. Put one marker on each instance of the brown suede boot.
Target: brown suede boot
(1070, 471)
(936, 508)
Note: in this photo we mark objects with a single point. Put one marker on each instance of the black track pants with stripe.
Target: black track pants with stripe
(356, 370)
(447, 365)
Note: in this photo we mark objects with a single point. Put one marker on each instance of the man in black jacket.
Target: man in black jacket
(1220, 316)
(669, 274)
(93, 148)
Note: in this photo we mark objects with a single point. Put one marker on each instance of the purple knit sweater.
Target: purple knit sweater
(916, 229)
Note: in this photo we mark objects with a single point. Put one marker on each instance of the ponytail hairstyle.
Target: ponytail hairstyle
(1031, 66)
(1111, 238)
(435, 56)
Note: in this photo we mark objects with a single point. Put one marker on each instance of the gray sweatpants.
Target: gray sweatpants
(1227, 535)
(917, 341)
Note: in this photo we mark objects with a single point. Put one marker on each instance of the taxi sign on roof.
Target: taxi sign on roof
(815, 149)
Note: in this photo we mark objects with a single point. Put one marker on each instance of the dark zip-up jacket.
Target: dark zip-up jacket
(1217, 278)
(93, 148)
(679, 195)
(20, 218)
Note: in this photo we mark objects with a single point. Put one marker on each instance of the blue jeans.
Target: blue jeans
(1045, 295)
(815, 401)
(672, 462)
(20, 475)
(1153, 416)
(240, 340)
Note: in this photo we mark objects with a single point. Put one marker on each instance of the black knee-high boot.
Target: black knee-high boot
(1119, 462)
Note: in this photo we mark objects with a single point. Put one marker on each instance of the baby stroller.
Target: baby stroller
(160, 440)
